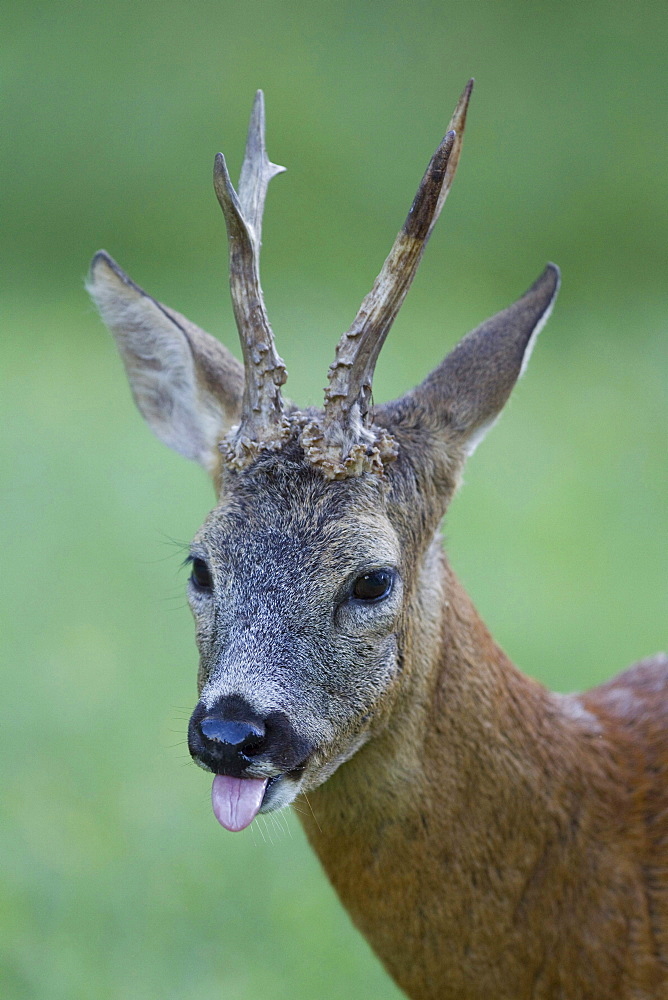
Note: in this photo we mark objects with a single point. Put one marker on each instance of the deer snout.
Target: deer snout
(226, 737)
(229, 736)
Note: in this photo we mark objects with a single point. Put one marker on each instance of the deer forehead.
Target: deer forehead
(299, 522)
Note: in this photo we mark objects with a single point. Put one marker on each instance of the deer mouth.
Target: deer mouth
(237, 801)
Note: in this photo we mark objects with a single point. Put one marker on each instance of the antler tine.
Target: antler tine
(262, 423)
(256, 171)
(347, 398)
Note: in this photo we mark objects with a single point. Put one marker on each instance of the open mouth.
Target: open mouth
(237, 801)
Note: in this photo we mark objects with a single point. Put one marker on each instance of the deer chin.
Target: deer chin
(281, 792)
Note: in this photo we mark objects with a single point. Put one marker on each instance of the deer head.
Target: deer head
(315, 576)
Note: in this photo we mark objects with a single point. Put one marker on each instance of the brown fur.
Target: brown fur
(499, 842)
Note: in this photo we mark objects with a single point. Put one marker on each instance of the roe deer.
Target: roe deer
(491, 839)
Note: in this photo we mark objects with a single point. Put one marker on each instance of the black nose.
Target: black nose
(226, 736)
(235, 737)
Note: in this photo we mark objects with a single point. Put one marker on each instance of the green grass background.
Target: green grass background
(116, 882)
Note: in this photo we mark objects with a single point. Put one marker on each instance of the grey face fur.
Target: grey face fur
(297, 670)
(281, 628)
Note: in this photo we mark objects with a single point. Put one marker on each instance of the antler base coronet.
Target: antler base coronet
(371, 452)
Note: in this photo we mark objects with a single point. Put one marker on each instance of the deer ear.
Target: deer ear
(461, 399)
(186, 384)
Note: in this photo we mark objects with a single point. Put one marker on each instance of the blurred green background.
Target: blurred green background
(117, 883)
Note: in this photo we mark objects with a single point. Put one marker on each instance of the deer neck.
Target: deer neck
(443, 835)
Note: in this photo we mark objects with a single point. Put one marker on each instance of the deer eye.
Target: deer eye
(200, 574)
(373, 586)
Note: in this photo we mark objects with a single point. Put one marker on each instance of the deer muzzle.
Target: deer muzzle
(249, 752)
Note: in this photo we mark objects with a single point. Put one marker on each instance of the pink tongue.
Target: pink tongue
(236, 801)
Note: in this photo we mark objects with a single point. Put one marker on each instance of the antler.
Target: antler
(343, 443)
(262, 424)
